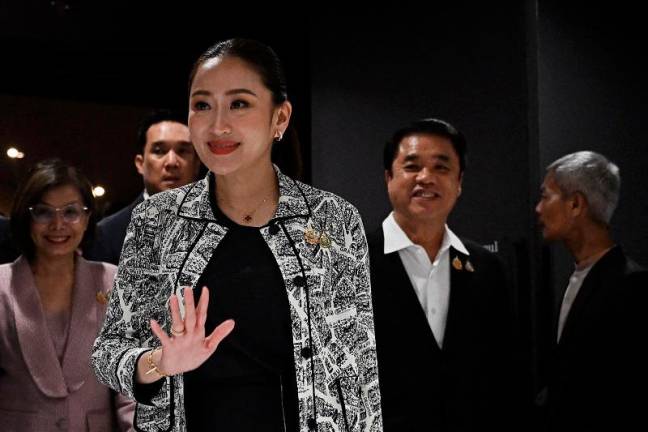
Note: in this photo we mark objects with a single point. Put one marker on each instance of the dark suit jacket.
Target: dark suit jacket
(466, 386)
(599, 368)
(8, 252)
(110, 235)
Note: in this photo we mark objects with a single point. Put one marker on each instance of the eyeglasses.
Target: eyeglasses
(45, 214)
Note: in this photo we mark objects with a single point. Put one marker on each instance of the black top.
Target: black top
(249, 383)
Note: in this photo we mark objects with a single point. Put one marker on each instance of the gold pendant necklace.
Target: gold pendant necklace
(248, 216)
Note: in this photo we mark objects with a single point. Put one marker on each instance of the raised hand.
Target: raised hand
(187, 347)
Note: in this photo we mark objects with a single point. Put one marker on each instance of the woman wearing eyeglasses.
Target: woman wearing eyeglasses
(52, 304)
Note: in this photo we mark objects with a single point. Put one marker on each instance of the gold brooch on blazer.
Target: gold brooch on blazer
(314, 237)
(102, 297)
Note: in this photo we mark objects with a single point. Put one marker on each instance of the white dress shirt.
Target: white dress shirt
(575, 283)
(430, 279)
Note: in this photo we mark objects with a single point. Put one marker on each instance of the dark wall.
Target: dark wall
(592, 96)
(465, 63)
(470, 69)
(91, 69)
(527, 82)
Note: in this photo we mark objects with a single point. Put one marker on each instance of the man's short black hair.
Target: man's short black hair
(429, 126)
(155, 117)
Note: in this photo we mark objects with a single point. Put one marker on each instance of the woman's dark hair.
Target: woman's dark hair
(41, 178)
(265, 62)
(429, 126)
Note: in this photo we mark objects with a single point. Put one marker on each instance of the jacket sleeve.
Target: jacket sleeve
(125, 412)
(370, 408)
(126, 333)
(124, 408)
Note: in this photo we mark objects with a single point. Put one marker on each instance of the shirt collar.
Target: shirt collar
(396, 239)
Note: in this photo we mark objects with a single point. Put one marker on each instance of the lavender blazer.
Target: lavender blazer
(37, 392)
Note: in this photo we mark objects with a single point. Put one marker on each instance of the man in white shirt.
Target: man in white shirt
(441, 308)
(598, 375)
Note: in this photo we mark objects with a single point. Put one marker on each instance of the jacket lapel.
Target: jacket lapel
(459, 307)
(33, 335)
(595, 279)
(293, 209)
(83, 327)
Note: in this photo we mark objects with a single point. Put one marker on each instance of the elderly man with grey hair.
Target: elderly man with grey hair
(598, 374)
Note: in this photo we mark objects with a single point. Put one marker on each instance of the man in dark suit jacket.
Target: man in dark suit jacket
(442, 314)
(8, 253)
(166, 159)
(599, 369)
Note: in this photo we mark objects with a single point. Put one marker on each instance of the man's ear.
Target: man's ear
(388, 176)
(578, 203)
(460, 184)
(139, 163)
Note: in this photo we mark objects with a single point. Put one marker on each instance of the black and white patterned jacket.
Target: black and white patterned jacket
(169, 242)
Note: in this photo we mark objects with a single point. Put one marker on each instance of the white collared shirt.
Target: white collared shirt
(430, 280)
(575, 283)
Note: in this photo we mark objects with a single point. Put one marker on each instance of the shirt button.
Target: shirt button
(312, 424)
(299, 281)
(306, 352)
(273, 229)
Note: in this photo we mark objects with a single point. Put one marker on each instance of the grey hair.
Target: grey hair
(593, 175)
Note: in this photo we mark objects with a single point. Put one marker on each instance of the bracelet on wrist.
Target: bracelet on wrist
(153, 367)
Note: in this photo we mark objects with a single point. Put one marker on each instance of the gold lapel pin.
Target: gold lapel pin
(469, 266)
(456, 263)
(102, 297)
(325, 241)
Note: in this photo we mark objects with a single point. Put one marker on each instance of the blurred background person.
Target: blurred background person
(52, 304)
(165, 160)
(598, 372)
(8, 252)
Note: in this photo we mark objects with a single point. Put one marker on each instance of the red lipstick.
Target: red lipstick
(222, 147)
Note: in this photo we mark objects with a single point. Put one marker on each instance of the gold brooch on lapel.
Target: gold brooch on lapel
(325, 241)
(469, 266)
(311, 236)
(102, 297)
(314, 237)
(456, 263)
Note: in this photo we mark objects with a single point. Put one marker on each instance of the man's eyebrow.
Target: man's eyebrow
(415, 157)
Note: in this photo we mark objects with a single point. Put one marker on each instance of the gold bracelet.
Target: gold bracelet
(152, 366)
